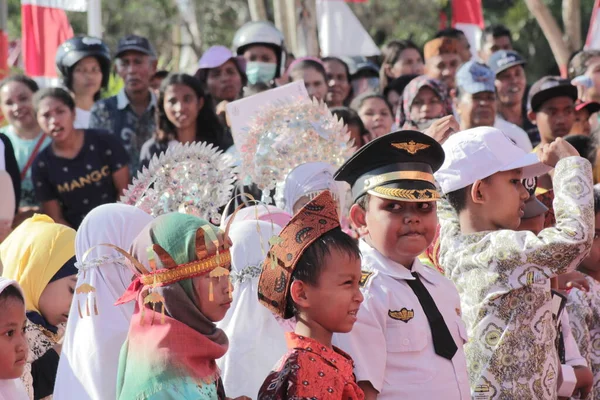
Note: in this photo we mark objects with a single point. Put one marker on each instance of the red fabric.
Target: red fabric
(467, 12)
(311, 370)
(43, 29)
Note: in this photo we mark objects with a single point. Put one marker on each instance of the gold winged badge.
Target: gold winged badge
(411, 147)
(403, 315)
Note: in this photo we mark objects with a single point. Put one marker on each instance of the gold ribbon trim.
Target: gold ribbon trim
(184, 271)
(377, 180)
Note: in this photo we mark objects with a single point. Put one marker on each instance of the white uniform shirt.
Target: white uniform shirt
(391, 342)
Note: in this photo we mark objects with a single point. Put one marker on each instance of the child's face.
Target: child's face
(334, 302)
(55, 301)
(13, 343)
(582, 123)
(592, 261)
(376, 117)
(502, 197)
(216, 309)
(400, 230)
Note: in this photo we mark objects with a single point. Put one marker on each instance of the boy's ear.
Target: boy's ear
(531, 116)
(298, 293)
(358, 217)
(477, 192)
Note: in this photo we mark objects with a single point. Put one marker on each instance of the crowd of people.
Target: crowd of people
(442, 242)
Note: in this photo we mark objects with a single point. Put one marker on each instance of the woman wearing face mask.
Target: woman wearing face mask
(222, 73)
(184, 115)
(262, 46)
(81, 169)
(26, 137)
(310, 70)
(84, 63)
(424, 102)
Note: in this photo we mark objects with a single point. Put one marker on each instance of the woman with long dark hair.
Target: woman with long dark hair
(184, 114)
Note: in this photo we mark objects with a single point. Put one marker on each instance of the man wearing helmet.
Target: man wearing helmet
(84, 64)
(130, 114)
(262, 46)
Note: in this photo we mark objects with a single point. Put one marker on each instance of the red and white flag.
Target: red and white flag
(593, 37)
(467, 15)
(44, 26)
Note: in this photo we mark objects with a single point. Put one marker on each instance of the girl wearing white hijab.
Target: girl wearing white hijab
(13, 343)
(304, 183)
(90, 356)
(256, 340)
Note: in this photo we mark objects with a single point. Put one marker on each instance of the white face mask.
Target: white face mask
(260, 72)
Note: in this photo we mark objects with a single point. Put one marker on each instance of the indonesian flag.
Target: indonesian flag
(44, 26)
(340, 32)
(593, 37)
(467, 15)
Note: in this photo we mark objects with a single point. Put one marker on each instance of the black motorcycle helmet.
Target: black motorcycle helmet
(75, 49)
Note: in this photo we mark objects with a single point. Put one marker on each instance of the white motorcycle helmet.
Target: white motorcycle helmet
(261, 33)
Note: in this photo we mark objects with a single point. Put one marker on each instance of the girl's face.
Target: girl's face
(314, 82)
(17, 105)
(55, 301)
(13, 343)
(87, 77)
(182, 105)
(410, 62)
(56, 119)
(426, 105)
(376, 117)
(224, 82)
(216, 309)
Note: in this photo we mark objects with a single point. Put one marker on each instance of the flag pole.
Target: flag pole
(94, 18)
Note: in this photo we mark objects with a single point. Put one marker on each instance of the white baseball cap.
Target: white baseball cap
(480, 152)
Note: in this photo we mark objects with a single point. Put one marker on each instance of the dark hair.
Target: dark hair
(311, 262)
(350, 117)
(578, 63)
(458, 198)
(399, 84)
(357, 103)
(363, 201)
(11, 292)
(68, 78)
(339, 60)
(202, 74)
(596, 198)
(496, 31)
(585, 146)
(390, 53)
(25, 80)
(450, 33)
(308, 64)
(208, 127)
(56, 93)
(160, 74)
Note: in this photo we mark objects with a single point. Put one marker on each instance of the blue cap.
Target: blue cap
(502, 60)
(475, 77)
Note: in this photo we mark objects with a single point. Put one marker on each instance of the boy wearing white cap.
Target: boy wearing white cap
(503, 275)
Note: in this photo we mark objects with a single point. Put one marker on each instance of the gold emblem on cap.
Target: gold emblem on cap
(411, 147)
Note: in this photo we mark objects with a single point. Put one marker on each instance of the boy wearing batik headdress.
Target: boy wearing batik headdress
(313, 274)
(182, 288)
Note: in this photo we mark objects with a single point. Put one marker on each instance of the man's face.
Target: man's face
(493, 44)
(136, 70)
(443, 67)
(510, 85)
(555, 118)
(477, 109)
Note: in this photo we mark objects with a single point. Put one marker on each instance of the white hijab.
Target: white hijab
(304, 179)
(256, 340)
(11, 389)
(90, 355)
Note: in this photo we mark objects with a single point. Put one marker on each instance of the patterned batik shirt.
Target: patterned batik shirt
(115, 115)
(311, 371)
(503, 281)
(584, 313)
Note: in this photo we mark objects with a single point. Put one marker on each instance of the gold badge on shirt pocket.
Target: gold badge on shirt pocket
(403, 315)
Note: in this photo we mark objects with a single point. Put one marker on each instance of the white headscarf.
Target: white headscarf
(12, 389)
(304, 179)
(256, 340)
(90, 355)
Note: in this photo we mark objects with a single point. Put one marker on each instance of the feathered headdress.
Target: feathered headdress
(193, 178)
(289, 133)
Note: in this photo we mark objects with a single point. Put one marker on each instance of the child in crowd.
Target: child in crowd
(408, 341)
(96, 328)
(182, 288)
(358, 132)
(502, 275)
(40, 256)
(312, 273)
(584, 306)
(248, 359)
(375, 112)
(13, 343)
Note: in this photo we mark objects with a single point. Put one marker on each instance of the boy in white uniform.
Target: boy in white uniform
(408, 340)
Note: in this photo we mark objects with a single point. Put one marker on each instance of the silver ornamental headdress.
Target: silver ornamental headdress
(289, 133)
(193, 178)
